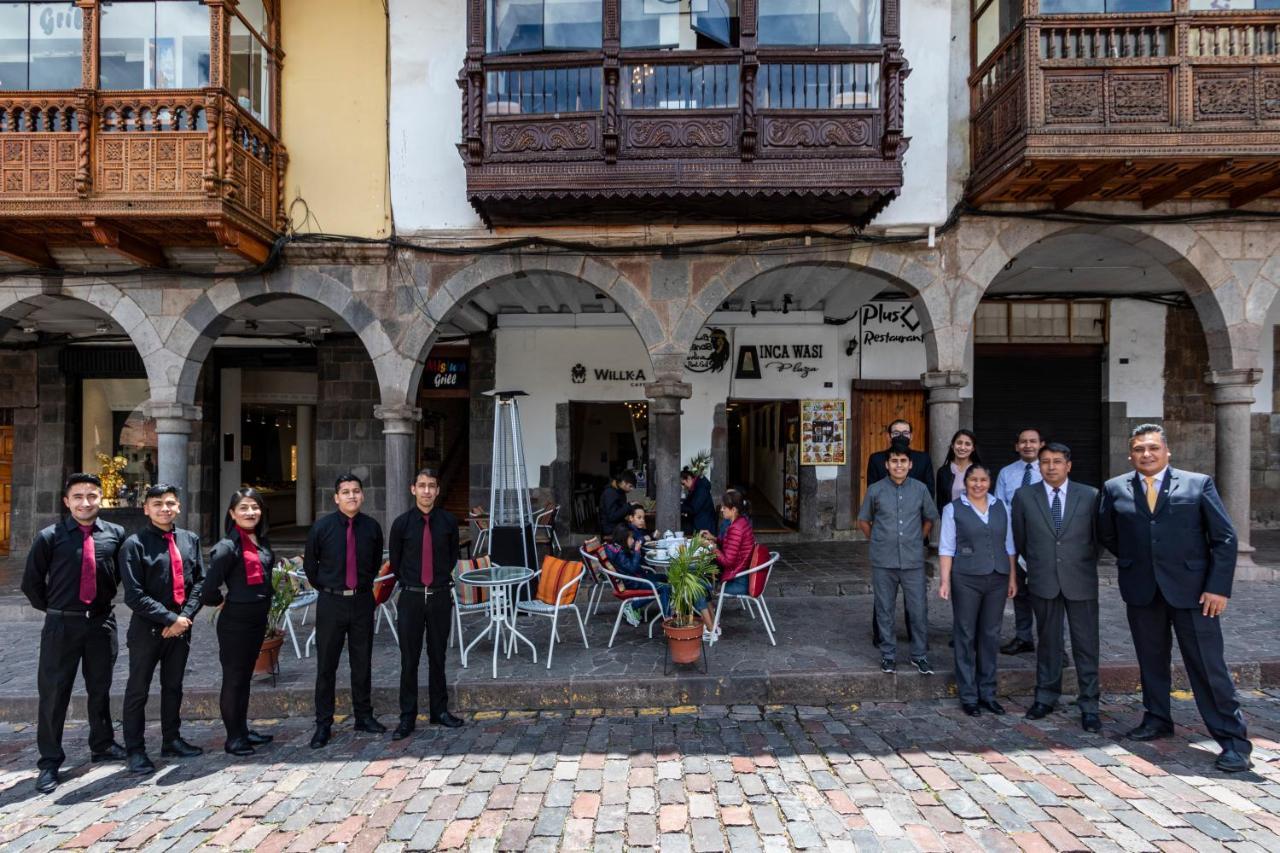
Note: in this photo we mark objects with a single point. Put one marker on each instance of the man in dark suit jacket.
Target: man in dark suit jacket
(1175, 549)
(921, 465)
(1055, 533)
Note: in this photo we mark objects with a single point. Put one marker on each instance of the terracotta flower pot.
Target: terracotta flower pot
(685, 643)
(269, 655)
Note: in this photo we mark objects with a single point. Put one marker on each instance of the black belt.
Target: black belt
(345, 593)
(427, 590)
(80, 613)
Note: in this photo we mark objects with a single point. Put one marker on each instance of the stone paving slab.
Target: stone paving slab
(824, 654)
(897, 777)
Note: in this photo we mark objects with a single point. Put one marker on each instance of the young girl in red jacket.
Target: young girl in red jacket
(735, 546)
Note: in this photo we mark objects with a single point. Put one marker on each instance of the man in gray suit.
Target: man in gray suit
(1054, 531)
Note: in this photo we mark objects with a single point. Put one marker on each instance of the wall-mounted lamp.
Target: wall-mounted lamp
(753, 308)
(786, 303)
(850, 347)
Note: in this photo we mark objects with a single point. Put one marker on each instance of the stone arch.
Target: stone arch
(456, 290)
(17, 301)
(1211, 283)
(192, 338)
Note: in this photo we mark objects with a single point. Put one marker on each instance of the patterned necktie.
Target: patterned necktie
(428, 556)
(175, 566)
(1026, 475)
(1153, 493)
(88, 568)
(1056, 510)
(351, 553)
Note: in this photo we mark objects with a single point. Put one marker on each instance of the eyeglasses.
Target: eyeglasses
(898, 433)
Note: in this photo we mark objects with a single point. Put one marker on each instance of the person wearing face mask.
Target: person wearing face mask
(241, 562)
(1175, 552)
(162, 568)
(71, 577)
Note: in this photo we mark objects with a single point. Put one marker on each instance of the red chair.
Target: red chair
(757, 576)
(384, 589)
(647, 594)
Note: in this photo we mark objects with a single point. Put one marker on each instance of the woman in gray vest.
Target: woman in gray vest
(976, 555)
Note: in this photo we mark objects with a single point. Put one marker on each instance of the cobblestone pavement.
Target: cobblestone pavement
(914, 776)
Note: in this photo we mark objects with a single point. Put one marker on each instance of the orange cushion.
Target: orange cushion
(555, 573)
(468, 594)
(382, 591)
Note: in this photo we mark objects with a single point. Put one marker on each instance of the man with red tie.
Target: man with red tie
(424, 549)
(342, 557)
(162, 568)
(71, 577)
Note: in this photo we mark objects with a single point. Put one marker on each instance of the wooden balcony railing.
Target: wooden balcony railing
(1149, 107)
(138, 172)
(710, 135)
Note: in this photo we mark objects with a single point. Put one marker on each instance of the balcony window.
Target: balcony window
(819, 22)
(250, 60)
(538, 91)
(679, 24)
(1112, 7)
(818, 86)
(1232, 5)
(155, 44)
(40, 45)
(993, 20)
(680, 87)
(530, 26)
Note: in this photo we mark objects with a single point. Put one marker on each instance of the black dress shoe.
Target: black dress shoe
(1091, 723)
(370, 725)
(1017, 647)
(991, 705)
(447, 720)
(1149, 731)
(1038, 711)
(256, 739)
(239, 746)
(971, 710)
(115, 752)
(47, 780)
(179, 748)
(403, 730)
(139, 763)
(321, 736)
(1229, 762)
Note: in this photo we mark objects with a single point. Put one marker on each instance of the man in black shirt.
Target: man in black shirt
(427, 531)
(342, 558)
(163, 572)
(71, 577)
(613, 502)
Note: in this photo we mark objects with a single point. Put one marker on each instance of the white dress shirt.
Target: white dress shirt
(1009, 480)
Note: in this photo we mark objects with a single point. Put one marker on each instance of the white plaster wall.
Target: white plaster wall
(1137, 334)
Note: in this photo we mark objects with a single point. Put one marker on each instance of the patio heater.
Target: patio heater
(511, 528)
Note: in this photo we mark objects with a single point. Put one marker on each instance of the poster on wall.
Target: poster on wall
(822, 432)
(791, 485)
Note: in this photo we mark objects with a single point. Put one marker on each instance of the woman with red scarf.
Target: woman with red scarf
(241, 562)
(735, 546)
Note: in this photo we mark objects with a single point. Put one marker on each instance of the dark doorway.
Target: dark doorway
(1057, 389)
(605, 439)
(763, 460)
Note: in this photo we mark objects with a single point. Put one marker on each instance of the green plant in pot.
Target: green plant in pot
(689, 575)
(284, 591)
(700, 463)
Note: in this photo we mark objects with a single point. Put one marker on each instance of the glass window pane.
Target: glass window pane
(255, 14)
(714, 19)
(1062, 7)
(13, 46)
(56, 30)
(788, 22)
(182, 45)
(988, 31)
(849, 22)
(1269, 4)
(515, 26)
(127, 45)
(1118, 6)
(650, 23)
(571, 24)
(250, 76)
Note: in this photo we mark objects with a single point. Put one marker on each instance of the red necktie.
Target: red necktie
(175, 565)
(351, 553)
(252, 562)
(428, 558)
(88, 568)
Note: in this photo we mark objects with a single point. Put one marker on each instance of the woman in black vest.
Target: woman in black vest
(241, 562)
(976, 555)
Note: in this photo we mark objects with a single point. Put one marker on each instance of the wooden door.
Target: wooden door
(876, 404)
(6, 486)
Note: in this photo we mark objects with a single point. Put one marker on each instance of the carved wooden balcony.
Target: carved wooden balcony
(767, 135)
(1147, 108)
(149, 175)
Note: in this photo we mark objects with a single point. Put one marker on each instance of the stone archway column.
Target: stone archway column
(944, 408)
(665, 395)
(1232, 401)
(399, 429)
(173, 437)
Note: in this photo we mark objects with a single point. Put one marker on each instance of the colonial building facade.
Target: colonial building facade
(674, 225)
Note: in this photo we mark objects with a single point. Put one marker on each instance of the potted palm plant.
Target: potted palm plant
(689, 575)
(284, 589)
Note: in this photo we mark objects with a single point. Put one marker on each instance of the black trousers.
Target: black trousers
(977, 605)
(420, 615)
(1082, 620)
(1023, 612)
(68, 643)
(147, 649)
(241, 627)
(1200, 641)
(344, 620)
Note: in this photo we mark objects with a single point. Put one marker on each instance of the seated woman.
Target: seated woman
(736, 545)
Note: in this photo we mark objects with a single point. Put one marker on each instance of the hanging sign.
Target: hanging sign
(822, 432)
(445, 374)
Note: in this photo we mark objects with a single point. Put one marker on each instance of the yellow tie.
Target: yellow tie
(1152, 493)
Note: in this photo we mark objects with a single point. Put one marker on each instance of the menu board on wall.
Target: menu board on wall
(822, 432)
(791, 485)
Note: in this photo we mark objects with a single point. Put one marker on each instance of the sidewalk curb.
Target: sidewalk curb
(813, 687)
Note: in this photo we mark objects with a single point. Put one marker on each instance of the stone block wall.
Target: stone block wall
(348, 436)
(1188, 401)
